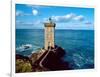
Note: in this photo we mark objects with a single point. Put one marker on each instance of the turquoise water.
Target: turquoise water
(79, 44)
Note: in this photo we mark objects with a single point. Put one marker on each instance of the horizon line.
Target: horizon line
(57, 29)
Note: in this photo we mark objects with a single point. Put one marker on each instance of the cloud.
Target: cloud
(64, 18)
(29, 5)
(35, 12)
(36, 6)
(17, 21)
(88, 23)
(79, 18)
(33, 6)
(20, 22)
(67, 18)
(36, 22)
(19, 13)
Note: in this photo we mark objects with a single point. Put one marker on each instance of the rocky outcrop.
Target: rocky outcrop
(50, 60)
(53, 60)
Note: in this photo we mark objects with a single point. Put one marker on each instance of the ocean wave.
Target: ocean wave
(79, 61)
(24, 47)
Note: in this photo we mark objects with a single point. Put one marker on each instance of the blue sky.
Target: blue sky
(34, 17)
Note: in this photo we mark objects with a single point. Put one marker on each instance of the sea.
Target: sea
(78, 44)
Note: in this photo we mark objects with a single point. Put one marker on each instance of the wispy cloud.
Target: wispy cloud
(79, 18)
(64, 18)
(21, 13)
(32, 23)
(37, 6)
(67, 18)
(88, 23)
(71, 17)
(58, 19)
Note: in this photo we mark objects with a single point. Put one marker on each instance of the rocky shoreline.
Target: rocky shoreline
(46, 60)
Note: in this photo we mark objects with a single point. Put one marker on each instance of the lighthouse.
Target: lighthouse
(49, 34)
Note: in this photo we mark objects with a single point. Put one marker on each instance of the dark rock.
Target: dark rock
(18, 56)
(53, 60)
(48, 61)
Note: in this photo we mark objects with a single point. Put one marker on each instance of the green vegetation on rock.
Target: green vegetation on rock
(23, 66)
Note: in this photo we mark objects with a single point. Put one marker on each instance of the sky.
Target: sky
(34, 16)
